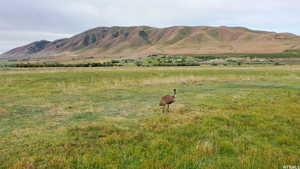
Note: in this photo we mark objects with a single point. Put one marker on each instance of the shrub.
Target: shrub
(139, 63)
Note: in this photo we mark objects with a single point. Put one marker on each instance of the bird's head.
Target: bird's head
(174, 92)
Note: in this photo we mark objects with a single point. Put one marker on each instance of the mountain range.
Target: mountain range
(143, 40)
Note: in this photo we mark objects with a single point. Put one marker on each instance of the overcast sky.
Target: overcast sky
(25, 21)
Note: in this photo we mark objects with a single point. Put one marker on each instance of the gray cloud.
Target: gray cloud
(30, 20)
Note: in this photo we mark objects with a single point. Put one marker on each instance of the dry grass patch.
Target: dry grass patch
(206, 148)
(3, 111)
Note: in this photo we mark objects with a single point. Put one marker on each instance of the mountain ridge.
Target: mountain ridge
(144, 40)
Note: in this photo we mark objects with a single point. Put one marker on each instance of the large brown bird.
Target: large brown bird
(167, 100)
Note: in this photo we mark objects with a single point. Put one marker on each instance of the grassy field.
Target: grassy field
(240, 118)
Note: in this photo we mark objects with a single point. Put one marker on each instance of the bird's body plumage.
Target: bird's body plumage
(167, 100)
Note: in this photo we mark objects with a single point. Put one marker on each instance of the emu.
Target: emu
(167, 100)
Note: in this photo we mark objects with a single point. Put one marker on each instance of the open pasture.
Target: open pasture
(239, 118)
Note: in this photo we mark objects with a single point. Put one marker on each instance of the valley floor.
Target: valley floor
(224, 117)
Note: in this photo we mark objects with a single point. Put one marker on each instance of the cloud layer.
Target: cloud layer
(22, 21)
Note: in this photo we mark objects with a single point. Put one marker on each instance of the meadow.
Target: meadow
(88, 118)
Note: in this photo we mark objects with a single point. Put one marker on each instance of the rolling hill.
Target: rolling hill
(144, 40)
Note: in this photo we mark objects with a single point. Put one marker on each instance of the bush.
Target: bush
(278, 64)
(115, 61)
(139, 63)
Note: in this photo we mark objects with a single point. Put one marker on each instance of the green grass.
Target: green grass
(242, 118)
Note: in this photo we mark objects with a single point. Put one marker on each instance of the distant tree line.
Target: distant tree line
(285, 54)
(29, 65)
(141, 63)
(166, 60)
(178, 64)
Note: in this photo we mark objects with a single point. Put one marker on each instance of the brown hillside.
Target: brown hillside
(143, 40)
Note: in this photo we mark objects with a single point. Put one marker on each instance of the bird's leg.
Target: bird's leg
(163, 109)
(168, 108)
